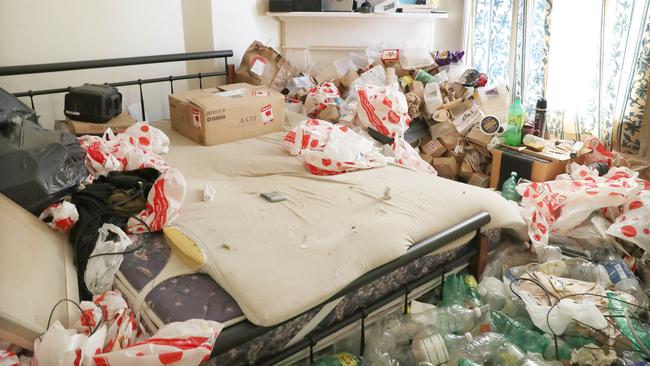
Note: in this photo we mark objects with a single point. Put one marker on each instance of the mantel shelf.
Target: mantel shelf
(364, 16)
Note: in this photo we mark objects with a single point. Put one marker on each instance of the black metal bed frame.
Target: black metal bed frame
(116, 62)
(245, 331)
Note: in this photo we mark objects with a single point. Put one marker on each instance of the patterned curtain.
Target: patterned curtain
(593, 72)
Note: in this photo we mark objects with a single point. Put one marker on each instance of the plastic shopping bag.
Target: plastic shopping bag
(407, 156)
(101, 270)
(634, 223)
(561, 205)
(163, 204)
(331, 149)
(181, 343)
(137, 147)
(383, 109)
(60, 346)
(323, 102)
(64, 215)
(146, 137)
(117, 342)
(8, 358)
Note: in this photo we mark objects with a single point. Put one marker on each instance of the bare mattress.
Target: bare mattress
(192, 296)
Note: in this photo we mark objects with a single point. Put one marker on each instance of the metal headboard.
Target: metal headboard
(116, 62)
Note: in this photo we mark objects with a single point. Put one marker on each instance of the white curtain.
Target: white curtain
(588, 58)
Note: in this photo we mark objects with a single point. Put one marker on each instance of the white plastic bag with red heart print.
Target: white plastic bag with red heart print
(332, 149)
(137, 147)
(321, 97)
(163, 203)
(180, 343)
(64, 215)
(383, 108)
(116, 339)
(407, 156)
(146, 137)
(561, 205)
(634, 223)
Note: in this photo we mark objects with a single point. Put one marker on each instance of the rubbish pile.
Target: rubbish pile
(563, 311)
(419, 109)
(98, 190)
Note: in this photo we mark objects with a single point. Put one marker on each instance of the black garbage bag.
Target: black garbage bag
(37, 166)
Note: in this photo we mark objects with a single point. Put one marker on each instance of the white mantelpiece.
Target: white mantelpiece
(313, 37)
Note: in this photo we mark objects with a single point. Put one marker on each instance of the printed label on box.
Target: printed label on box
(390, 55)
(259, 65)
(267, 114)
(261, 93)
(196, 117)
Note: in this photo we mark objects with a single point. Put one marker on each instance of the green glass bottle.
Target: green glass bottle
(518, 334)
(516, 119)
(508, 190)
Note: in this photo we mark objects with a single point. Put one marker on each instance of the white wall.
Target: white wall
(42, 31)
(449, 32)
(238, 23)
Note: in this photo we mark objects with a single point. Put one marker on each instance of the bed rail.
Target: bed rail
(119, 62)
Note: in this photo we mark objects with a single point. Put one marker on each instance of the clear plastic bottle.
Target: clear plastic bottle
(516, 119)
(436, 349)
(508, 190)
(455, 319)
(624, 279)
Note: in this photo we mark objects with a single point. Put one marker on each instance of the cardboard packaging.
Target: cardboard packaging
(228, 113)
(446, 167)
(466, 170)
(542, 170)
(432, 147)
(118, 124)
(426, 157)
(478, 137)
(262, 65)
(479, 180)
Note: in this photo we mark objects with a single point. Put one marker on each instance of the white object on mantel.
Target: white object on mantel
(319, 37)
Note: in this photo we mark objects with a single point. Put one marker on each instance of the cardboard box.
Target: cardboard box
(542, 170)
(477, 137)
(446, 167)
(117, 124)
(426, 157)
(466, 170)
(228, 113)
(479, 180)
(450, 140)
(432, 147)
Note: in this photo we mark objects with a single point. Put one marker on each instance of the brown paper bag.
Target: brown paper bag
(262, 65)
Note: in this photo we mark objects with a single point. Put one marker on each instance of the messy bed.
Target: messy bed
(335, 238)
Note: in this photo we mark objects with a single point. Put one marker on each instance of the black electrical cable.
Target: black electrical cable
(90, 330)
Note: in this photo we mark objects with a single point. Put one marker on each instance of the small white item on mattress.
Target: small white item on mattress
(208, 192)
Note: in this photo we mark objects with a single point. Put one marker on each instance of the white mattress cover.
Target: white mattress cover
(280, 259)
